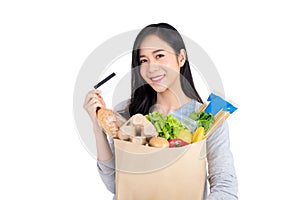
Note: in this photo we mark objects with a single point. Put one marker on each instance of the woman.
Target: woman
(162, 80)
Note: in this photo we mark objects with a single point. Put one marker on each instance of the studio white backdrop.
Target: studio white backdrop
(253, 44)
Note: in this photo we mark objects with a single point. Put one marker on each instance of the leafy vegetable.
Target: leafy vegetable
(166, 126)
(203, 119)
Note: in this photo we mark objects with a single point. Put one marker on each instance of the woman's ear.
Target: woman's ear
(182, 57)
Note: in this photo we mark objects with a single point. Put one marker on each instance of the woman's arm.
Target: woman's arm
(105, 160)
(92, 102)
(221, 171)
(104, 152)
(106, 163)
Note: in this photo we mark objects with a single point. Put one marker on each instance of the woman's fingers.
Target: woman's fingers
(93, 102)
(89, 96)
(92, 107)
(101, 101)
(93, 94)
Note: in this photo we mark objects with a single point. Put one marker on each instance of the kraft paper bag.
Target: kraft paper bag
(147, 173)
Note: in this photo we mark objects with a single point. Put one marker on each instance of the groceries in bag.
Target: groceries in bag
(177, 130)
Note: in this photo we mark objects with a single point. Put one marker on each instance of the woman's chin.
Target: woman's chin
(159, 88)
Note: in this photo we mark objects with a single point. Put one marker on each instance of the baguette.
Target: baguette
(202, 108)
(218, 121)
(110, 121)
(219, 114)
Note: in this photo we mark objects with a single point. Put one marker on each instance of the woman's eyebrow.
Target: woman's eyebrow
(158, 50)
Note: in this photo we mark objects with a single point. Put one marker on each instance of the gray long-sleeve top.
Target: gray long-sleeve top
(221, 172)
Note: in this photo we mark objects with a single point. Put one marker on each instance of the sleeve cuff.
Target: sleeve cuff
(106, 165)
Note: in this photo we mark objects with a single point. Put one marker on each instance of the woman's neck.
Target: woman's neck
(171, 100)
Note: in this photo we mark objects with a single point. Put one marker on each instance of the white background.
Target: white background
(255, 45)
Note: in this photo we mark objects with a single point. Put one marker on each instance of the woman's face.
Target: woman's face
(159, 65)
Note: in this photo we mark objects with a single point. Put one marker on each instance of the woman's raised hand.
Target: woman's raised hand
(93, 101)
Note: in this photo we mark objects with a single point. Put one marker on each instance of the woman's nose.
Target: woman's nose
(153, 66)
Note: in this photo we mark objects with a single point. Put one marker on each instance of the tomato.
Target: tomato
(177, 143)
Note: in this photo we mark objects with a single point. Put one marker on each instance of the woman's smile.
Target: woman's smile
(157, 79)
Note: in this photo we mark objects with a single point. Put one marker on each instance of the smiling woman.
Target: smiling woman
(161, 79)
(160, 53)
(160, 68)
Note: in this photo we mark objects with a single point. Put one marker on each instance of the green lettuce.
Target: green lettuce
(166, 126)
(203, 119)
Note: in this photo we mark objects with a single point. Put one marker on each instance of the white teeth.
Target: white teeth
(157, 78)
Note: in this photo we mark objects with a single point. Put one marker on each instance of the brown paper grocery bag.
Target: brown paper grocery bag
(147, 173)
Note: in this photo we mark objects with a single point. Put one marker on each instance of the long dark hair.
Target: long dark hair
(143, 97)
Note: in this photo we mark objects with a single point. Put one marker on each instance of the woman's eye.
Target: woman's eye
(143, 61)
(159, 56)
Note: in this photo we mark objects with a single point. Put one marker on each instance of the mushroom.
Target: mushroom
(138, 129)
